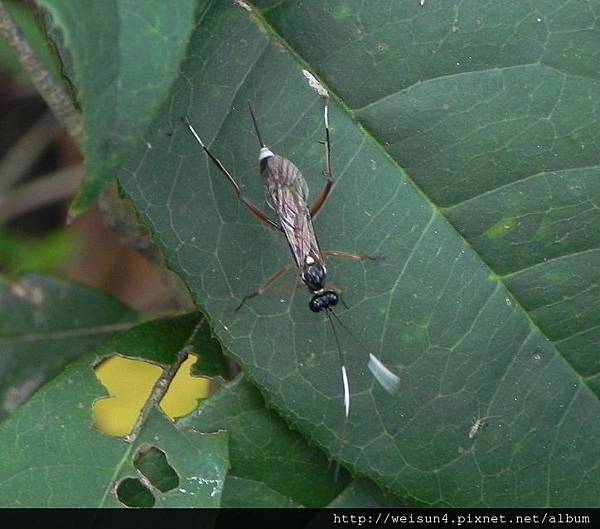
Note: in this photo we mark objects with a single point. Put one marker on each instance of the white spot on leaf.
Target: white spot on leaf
(24, 290)
(314, 84)
(243, 5)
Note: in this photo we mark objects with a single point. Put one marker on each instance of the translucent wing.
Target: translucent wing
(287, 193)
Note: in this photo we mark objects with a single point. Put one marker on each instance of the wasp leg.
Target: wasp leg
(266, 285)
(339, 292)
(257, 212)
(353, 257)
(325, 194)
(350, 257)
(322, 200)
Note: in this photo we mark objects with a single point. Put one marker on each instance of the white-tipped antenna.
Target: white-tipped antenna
(386, 378)
(345, 383)
(346, 391)
(346, 387)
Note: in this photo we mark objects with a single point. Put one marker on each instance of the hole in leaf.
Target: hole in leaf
(185, 391)
(130, 382)
(152, 462)
(133, 493)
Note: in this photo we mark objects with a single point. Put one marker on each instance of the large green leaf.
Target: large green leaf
(464, 151)
(363, 494)
(123, 56)
(45, 324)
(272, 466)
(52, 456)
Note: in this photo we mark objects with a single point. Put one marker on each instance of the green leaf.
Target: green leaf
(157, 341)
(52, 455)
(211, 361)
(271, 466)
(464, 148)
(198, 461)
(363, 494)
(121, 83)
(47, 323)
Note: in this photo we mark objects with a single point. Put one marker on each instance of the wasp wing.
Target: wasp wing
(287, 194)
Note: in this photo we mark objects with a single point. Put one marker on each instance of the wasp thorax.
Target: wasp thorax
(323, 301)
(314, 275)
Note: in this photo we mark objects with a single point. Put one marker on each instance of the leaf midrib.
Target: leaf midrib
(67, 333)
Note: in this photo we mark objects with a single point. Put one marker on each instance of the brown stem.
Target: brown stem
(53, 92)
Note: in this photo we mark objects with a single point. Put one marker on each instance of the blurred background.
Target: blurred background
(40, 170)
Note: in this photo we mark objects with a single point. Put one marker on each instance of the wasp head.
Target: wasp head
(323, 301)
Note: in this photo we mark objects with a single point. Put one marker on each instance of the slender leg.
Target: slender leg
(325, 194)
(267, 284)
(322, 200)
(345, 256)
(257, 212)
(353, 257)
(339, 292)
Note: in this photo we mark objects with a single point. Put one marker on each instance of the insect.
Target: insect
(478, 424)
(287, 195)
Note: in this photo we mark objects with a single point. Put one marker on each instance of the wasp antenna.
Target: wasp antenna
(265, 152)
(386, 378)
(346, 391)
(345, 384)
(262, 143)
(186, 120)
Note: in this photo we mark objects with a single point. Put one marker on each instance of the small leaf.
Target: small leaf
(271, 466)
(47, 323)
(120, 84)
(53, 457)
(196, 462)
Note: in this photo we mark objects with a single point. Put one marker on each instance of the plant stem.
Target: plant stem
(52, 91)
(41, 191)
(21, 156)
(163, 383)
